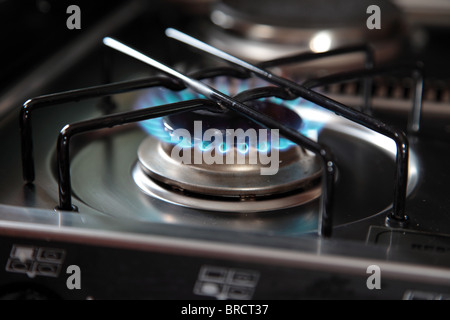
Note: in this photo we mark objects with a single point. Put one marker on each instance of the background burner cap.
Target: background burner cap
(264, 30)
(307, 13)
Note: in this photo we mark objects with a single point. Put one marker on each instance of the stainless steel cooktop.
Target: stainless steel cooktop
(184, 228)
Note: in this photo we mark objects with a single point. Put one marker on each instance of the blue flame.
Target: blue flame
(263, 147)
(243, 148)
(205, 145)
(159, 96)
(223, 148)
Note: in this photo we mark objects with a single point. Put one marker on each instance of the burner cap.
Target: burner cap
(296, 170)
(223, 121)
(322, 14)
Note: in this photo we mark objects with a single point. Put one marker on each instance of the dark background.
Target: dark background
(32, 30)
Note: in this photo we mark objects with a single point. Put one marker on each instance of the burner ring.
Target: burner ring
(155, 190)
(297, 170)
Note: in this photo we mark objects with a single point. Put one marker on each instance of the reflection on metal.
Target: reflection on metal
(354, 135)
(297, 170)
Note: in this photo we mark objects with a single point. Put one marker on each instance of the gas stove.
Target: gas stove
(302, 156)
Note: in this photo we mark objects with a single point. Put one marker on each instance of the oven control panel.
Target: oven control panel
(37, 269)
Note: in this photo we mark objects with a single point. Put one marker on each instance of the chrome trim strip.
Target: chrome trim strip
(252, 254)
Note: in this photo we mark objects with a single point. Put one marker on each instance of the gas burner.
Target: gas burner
(362, 147)
(102, 195)
(223, 188)
(365, 161)
(235, 187)
(240, 160)
(298, 173)
(264, 30)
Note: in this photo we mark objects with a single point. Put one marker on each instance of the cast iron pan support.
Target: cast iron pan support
(114, 88)
(396, 217)
(63, 147)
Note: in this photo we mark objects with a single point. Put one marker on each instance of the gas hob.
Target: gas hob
(335, 190)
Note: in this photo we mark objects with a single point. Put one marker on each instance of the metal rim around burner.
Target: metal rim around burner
(297, 170)
(151, 188)
(333, 123)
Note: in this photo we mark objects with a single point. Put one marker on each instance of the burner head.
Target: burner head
(280, 110)
(229, 119)
(296, 171)
(227, 157)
